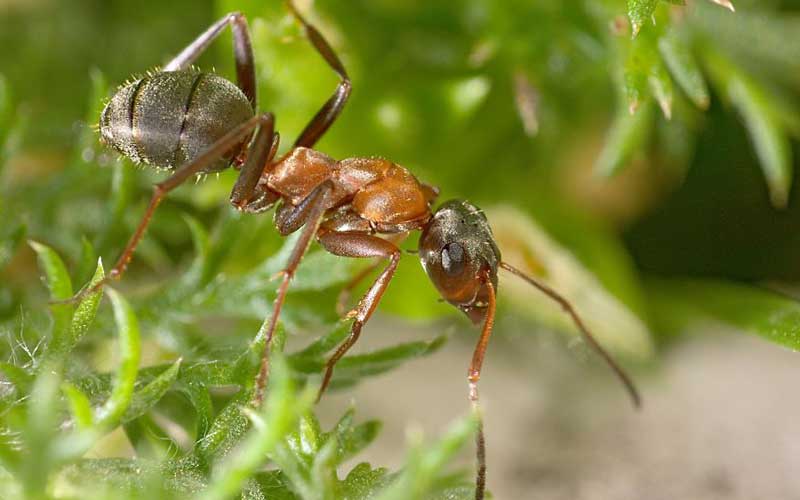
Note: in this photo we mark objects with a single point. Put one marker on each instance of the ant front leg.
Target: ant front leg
(473, 376)
(242, 52)
(308, 215)
(334, 105)
(362, 246)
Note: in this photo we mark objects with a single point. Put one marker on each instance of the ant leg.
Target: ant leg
(242, 52)
(473, 375)
(347, 290)
(161, 189)
(260, 153)
(362, 246)
(309, 212)
(331, 109)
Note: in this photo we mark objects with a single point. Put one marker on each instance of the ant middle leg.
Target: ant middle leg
(362, 246)
(344, 294)
(242, 52)
(308, 215)
(325, 117)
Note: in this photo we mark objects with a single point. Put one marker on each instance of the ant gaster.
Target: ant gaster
(195, 123)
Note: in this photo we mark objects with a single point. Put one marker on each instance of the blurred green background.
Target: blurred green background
(649, 178)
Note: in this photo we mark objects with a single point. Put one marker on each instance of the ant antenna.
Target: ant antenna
(564, 303)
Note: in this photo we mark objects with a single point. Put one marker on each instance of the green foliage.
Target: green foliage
(231, 445)
(662, 96)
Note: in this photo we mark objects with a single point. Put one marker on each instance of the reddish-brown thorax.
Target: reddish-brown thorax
(370, 194)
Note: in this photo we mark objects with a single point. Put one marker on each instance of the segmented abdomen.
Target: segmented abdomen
(169, 118)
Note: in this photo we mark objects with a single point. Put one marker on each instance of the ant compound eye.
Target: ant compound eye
(453, 259)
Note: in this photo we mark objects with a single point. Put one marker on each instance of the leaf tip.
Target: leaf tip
(726, 4)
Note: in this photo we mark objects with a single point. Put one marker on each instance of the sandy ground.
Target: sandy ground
(720, 419)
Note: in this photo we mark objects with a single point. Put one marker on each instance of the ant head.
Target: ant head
(459, 254)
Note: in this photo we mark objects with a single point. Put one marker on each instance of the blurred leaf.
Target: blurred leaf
(762, 120)
(146, 397)
(270, 423)
(21, 379)
(352, 439)
(424, 464)
(365, 482)
(626, 136)
(10, 238)
(753, 310)
(679, 59)
(118, 403)
(79, 405)
(639, 12)
(526, 246)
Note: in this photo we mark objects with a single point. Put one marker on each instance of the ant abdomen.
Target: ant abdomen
(167, 119)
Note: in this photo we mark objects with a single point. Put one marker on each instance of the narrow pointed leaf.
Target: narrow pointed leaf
(82, 318)
(684, 68)
(626, 136)
(146, 397)
(763, 123)
(640, 12)
(129, 352)
(424, 465)
(269, 424)
(79, 405)
(59, 284)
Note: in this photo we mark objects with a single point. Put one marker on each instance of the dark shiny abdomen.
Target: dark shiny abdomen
(170, 118)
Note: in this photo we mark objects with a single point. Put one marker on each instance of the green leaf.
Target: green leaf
(79, 405)
(130, 478)
(426, 464)
(753, 310)
(270, 424)
(149, 440)
(82, 318)
(639, 12)
(644, 74)
(129, 352)
(146, 397)
(627, 135)
(325, 343)
(677, 54)
(351, 369)
(352, 439)
(364, 482)
(763, 122)
(58, 283)
(357, 366)
(21, 379)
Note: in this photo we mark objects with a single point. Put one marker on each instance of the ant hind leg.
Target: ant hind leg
(242, 52)
(308, 215)
(160, 190)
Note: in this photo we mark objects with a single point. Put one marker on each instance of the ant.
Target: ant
(195, 123)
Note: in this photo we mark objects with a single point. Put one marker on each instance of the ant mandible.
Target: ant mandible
(197, 123)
